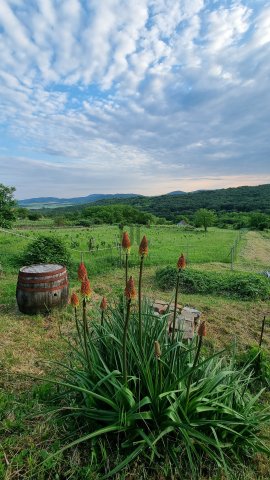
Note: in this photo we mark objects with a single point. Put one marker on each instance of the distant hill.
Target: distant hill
(239, 199)
(177, 192)
(54, 202)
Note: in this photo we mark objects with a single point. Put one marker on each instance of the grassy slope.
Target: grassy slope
(28, 342)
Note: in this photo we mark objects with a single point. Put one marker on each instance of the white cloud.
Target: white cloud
(136, 89)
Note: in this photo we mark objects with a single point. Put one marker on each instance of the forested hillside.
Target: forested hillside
(240, 199)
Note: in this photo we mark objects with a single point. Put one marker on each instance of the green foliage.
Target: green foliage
(114, 214)
(258, 362)
(166, 278)
(60, 221)
(46, 249)
(7, 206)
(22, 213)
(34, 216)
(240, 199)
(259, 221)
(240, 285)
(235, 220)
(153, 417)
(204, 218)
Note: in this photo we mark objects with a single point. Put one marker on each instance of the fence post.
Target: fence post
(232, 257)
(138, 234)
(120, 255)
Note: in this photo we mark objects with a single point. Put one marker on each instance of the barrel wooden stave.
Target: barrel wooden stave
(39, 291)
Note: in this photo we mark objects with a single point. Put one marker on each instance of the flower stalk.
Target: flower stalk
(143, 251)
(86, 333)
(130, 293)
(74, 301)
(181, 264)
(201, 334)
(158, 355)
(103, 307)
(86, 292)
(126, 245)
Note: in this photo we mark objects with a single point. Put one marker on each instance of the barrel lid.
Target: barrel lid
(42, 268)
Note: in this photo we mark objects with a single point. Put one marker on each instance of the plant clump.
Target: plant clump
(238, 285)
(46, 249)
(152, 396)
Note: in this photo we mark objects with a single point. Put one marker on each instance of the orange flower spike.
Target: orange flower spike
(130, 291)
(126, 243)
(74, 300)
(181, 264)
(202, 329)
(85, 288)
(82, 272)
(143, 249)
(103, 304)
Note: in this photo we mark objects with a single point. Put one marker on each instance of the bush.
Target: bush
(239, 285)
(34, 216)
(46, 249)
(258, 362)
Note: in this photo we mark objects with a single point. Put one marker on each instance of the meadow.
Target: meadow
(165, 243)
(29, 434)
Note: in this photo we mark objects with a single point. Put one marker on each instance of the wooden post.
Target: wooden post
(120, 255)
(232, 258)
(262, 331)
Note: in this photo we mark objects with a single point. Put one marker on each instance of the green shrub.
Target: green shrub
(34, 216)
(171, 409)
(240, 285)
(258, 361)
(46, 249)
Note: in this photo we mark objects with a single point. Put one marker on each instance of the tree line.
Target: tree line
(151, 210)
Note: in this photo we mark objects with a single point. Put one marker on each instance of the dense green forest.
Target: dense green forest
(240, 199)
(242, 207)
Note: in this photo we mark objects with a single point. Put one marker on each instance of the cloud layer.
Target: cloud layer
(146, 96)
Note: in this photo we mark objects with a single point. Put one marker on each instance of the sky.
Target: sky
(125, 96)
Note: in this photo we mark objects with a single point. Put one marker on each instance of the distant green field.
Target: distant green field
(166, 243)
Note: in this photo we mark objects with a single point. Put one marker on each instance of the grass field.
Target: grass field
(28, 344)
(165, 244)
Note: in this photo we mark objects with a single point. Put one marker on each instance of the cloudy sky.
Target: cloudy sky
(145, 96)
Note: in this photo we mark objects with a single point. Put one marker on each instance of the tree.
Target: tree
(259, 221)
(204, 218)
(7, 206)
(22, 213)
(34, 216)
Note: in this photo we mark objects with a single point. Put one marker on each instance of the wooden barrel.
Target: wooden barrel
(41, 288)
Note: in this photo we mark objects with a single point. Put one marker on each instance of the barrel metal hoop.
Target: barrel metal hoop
(38, 290)
(37, 281)
(42, 274)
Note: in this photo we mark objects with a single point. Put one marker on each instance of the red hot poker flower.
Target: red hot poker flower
(143, 249)
(126, 244)
(130, 291)
(103, 304)
(85, 288)
(82, 272)
(202, 329)
(74, 300)
(181, 264)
